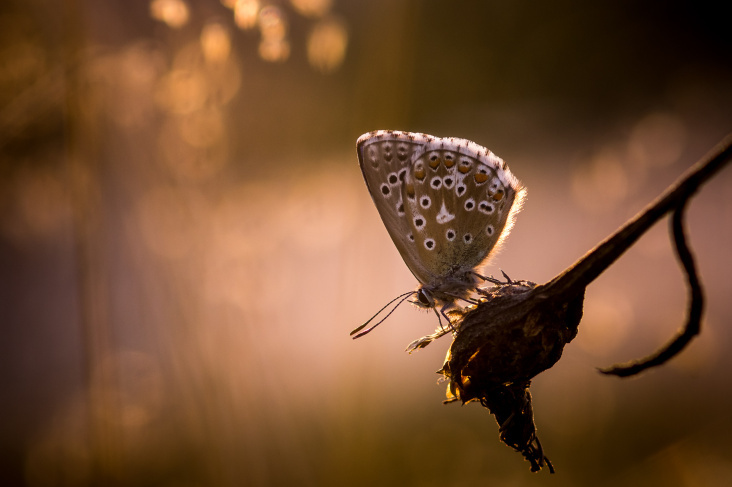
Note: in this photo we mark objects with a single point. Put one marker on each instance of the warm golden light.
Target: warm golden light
(185, 161)
(215, 42)
(187, 240)
(245, 13)
(221, 80)
(275, 50)
(608, 319)
(203, 128)
(657, 140)
(272, 23)
(602, 183)
(182, 91)
(175, 13)
(327, 45)
(312, 8)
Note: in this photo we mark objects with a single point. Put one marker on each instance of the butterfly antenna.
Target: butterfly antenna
(402, 296)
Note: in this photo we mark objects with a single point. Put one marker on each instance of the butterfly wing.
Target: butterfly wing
(446, 202)
(462, 200)
(385, 157)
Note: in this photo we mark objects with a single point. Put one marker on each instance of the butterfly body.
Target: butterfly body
(447, 204)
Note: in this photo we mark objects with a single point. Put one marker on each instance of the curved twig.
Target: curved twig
(696, 307)
(520, 329)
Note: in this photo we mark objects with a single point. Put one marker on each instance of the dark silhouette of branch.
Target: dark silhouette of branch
(696, 307)
(519, 328)
(586, 269)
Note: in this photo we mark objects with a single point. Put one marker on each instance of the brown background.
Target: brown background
(186, 241)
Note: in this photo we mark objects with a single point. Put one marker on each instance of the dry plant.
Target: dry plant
(519, 328)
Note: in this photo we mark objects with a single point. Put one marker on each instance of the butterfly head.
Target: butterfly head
(425, 299)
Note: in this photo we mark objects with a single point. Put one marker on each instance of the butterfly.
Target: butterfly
(447, 203)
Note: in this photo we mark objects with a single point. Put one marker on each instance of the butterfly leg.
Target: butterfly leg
(461, 298)
(443, 312)
(439, 320)
(491, 279)
(508, 279)
(495, 281)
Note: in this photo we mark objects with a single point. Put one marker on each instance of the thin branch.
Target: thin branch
(589, 267)
(696, 307)
(520, 329)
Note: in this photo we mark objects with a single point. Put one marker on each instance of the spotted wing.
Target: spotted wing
(446, 202)
(460, 202)
(385, 157)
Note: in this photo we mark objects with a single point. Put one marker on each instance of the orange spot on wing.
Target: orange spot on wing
(499, 195)
(481, 178)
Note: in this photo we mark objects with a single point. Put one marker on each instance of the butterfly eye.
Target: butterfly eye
(422, 297)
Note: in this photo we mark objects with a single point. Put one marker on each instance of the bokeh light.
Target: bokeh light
(312, 8)
(215, 43)
(186, 238)
(601, 183)
(657, 140)
(327, 44)
(174, 13)
(246, 13)
(274, 46)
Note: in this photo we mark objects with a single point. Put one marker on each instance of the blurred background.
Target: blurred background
(186, 240)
